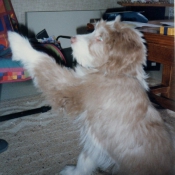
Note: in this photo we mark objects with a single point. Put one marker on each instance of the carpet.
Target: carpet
(40, 144)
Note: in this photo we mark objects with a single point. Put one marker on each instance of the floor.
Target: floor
(17, 90)
(40, 144)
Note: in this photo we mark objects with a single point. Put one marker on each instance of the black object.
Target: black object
(25, 113)
(152, 98)
(70, 62)
(125, 16)
(41, 47)
(67, 53)
(42, 34)
(63, 36)
(151, 13)
(152, 66)
(3, 145)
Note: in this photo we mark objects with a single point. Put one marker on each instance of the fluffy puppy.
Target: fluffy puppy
(119, 127)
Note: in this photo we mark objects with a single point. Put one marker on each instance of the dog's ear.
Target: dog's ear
(116, 22)
(101, 21)
(117, 19)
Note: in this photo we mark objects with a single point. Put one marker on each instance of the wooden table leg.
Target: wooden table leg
(166, 79)
(172, 84)
(165, 94)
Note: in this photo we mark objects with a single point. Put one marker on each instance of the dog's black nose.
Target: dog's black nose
(73, 39)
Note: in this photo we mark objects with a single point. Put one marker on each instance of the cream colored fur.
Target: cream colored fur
(106, 94)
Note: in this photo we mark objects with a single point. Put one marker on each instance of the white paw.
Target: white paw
(22, 50)
(68, 170)
(19, 45)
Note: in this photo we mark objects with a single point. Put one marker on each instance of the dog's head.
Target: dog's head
(112, 47)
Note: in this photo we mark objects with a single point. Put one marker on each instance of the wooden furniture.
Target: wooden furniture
(161, 50)
(154, 4)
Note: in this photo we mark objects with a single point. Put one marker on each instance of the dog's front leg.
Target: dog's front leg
(57, 83)
(85, 166)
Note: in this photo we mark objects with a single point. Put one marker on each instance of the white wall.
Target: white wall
(22, 6)
(67, 23)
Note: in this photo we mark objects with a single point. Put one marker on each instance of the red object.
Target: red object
(8, 21)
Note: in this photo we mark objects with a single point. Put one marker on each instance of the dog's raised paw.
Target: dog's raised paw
(19, 45)
(22, 49)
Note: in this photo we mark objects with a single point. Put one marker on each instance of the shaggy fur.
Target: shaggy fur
(119, 127)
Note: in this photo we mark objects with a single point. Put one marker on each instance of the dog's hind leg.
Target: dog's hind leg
(57, 83)
(85, 166)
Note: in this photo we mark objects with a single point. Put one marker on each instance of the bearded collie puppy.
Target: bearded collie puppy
(120, 130)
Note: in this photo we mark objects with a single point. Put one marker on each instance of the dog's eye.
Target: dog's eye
(99, 38)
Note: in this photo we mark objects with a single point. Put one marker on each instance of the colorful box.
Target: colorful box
(167, 30)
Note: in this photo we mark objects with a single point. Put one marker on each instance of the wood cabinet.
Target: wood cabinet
(161, 50)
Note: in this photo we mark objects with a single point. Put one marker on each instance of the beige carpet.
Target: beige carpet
(40, 144)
